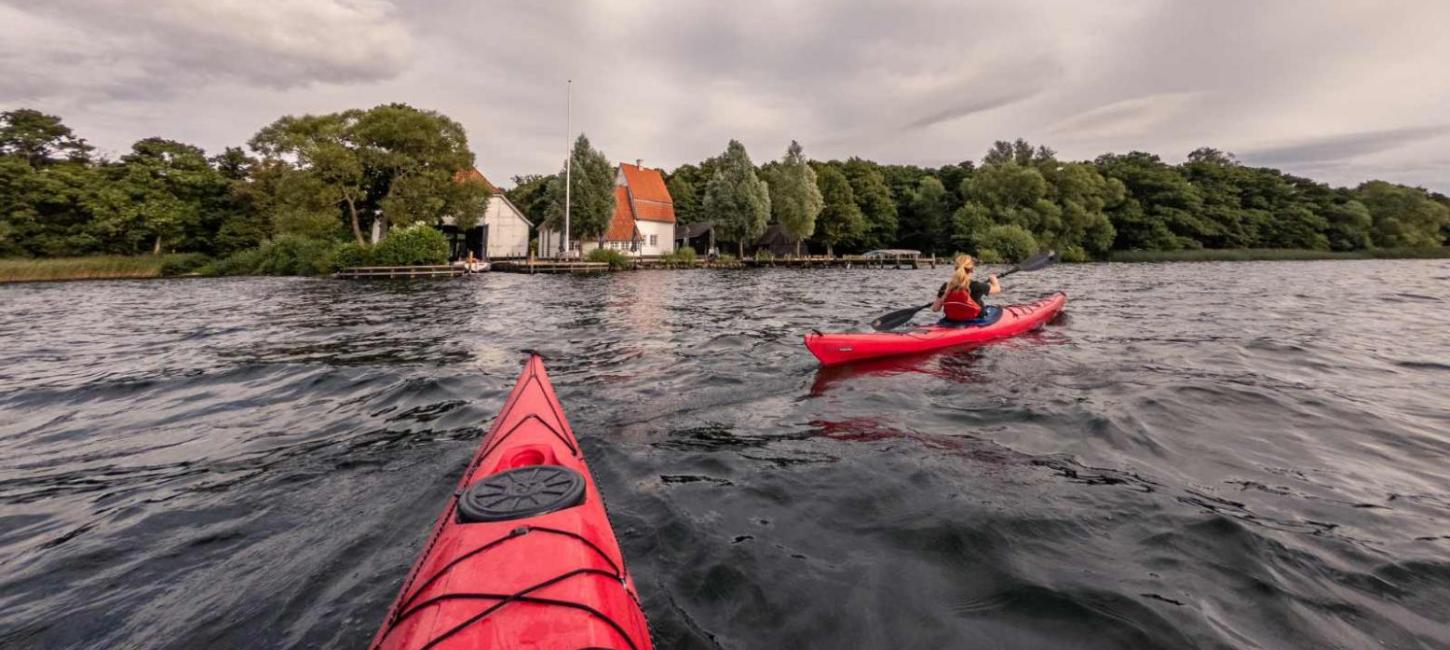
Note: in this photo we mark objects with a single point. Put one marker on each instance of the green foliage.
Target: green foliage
(1073, 254)
(840, 217)
(764, 255)
(530, 195)
(735, 198)
(794, 198)
(419, 243)
(161, 193)
(393, 164)
(873, 197)
(1011, 242)
(39, 139)
(685, 197)
(282, 255)
(1162, 209)
(1404, 217)
(321, 177)
(989, 256)
(350, 254)
(685, 256)
(183, 263)
(591, 195)
(969, 224)
(925, 222)
(616, 260)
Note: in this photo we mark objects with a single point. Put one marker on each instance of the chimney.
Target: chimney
(639, 162)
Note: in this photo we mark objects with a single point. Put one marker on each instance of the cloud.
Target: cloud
(1341, 147)
(1129, 117)
(927, 82)
(128, 49)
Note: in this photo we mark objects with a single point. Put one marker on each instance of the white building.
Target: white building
(502, 233)
(643, 223)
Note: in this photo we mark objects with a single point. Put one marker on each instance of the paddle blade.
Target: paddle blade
(896, 318)
(1035, 263)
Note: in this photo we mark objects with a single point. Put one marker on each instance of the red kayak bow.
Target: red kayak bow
(523, 555)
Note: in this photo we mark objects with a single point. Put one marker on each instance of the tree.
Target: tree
(1006, 243)
(530, 194)
(420, 155)
(874, 198)
(1349, 225)
(326, 155)
(47, 211)
(1162, 210)
(39, 138)
(1404, 217)
(591, 194)
(392, 164)
(794, 198)
(160, 192)
(969, 223)
(686, 199)
(924, 222)
(840, 218)
(736, 200)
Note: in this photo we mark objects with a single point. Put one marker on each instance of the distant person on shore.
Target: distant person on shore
(961, 297)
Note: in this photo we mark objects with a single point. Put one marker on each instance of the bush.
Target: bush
(183, 263)
(1072, 254)
(725, 258)
(350, 254)
(615, 259)
(680, 256)
(764, 255)
(1012, 243)
(284, 255)
(417, 244)
(295, 255)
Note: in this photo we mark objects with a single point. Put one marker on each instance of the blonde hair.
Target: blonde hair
(963, 273)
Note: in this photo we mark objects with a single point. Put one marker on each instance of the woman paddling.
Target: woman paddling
(962, 297)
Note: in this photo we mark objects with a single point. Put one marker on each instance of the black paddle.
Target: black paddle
(900, 317)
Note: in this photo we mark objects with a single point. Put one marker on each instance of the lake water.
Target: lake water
(1193, 455)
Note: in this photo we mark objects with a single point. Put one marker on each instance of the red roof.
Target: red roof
(652, 200)
(472, 174)
(621, 227)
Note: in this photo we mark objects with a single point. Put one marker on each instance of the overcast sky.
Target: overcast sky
(1340, 91)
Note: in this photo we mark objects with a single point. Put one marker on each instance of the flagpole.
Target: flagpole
(568, 157)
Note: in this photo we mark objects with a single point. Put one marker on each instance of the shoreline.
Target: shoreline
(1276, 255)
(147, 267)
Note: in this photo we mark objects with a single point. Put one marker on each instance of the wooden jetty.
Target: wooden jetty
(652, 263)
(846, 261)
(366, 272)
(549, 266)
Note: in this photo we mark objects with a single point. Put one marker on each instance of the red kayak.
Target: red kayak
(523, 556)
(1006, 321)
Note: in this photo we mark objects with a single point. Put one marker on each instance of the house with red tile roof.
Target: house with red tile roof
(643, 222)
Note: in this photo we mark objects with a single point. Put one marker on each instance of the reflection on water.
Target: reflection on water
(255, 462)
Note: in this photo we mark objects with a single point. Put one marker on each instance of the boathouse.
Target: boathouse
(502, 233)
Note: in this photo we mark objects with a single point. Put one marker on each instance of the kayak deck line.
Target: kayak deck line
(523, 554)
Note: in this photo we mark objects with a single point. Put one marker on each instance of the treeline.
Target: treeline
(1021, 198)
(315, 190)
(334, 185)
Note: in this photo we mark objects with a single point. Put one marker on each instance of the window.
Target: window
(654, 240)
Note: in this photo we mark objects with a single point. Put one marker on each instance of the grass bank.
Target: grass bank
(1276, 254)
(105, 267)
